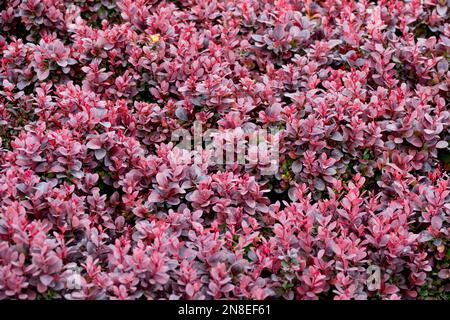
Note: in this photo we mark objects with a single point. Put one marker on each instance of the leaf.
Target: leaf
(297, 166)
(442, 66)
(436, 222)
(441, 10)
(154, 197)
(94, 144)
(442, 144)
(181, 113)
(337, 136)
(278, 32)
(42, 75)
(56, 168)
(319, 184)
(415, 141)
(46, 279)
(100, 154)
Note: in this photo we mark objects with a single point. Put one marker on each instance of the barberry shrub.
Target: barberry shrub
(96, 202)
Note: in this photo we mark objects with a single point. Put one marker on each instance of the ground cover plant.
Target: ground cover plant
(96, 202)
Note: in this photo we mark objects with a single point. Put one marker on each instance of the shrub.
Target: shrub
(98, 203)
